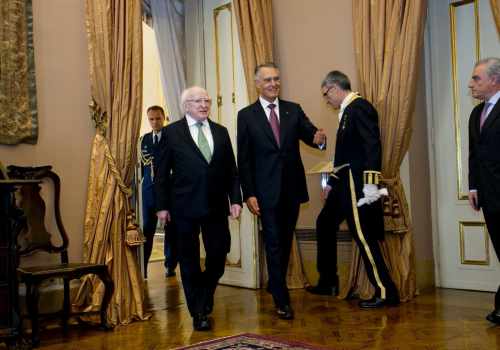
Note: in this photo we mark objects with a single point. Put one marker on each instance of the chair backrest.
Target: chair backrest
(3, 172)
(34, 236)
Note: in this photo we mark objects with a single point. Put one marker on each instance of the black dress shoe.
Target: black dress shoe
(208, 308)
(201, 323)
(494, 316)
(285, 312)
(323, 290)
(170, 273)
(377, 302)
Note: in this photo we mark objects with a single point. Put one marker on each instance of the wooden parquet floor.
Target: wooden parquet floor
(438, 319)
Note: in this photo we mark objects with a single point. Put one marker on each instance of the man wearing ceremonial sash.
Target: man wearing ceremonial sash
(352, 194)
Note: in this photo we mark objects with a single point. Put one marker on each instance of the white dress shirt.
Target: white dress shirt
(492, 101)
(158, 135)
(265, 103)
(193, 130)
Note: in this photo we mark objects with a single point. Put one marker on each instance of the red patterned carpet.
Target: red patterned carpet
(248, 341)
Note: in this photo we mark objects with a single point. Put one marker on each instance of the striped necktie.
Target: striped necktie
(484, 115)
(275, 124)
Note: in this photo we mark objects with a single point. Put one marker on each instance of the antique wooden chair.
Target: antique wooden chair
(36, 238)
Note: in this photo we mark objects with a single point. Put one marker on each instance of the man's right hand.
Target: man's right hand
(473, 200)
(253, 205)
(319, 137)
(163, 216)
(326, 192)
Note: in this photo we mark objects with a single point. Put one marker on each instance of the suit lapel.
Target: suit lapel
(476, 120)
(189, 139)
(263, 121)
(216, 138)
(494, 114)
(343, 120)
(162, 138)
(284, 121)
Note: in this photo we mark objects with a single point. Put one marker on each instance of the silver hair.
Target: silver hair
(492, 67)
(337, 78)
(264, 65)
(187, 93)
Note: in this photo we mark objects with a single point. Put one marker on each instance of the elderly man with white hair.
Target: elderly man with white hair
(196, 189)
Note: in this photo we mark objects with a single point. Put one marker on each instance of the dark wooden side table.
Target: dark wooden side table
(11, 222)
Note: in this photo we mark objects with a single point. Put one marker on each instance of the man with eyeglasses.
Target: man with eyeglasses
(272, 173)
(352, 194)
(197, 188)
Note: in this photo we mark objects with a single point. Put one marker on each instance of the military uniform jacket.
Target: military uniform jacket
(358, 143)
(484, 157)
(150, 155)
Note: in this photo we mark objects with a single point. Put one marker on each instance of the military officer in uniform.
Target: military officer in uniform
(352, 193)
(151, 147)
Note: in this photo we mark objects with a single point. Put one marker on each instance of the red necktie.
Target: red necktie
(275, 124)
(484, 115)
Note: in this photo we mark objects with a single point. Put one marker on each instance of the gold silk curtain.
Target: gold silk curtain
(18, 108)
(388, 38)
(255, 29)
(495, 8)
(114, 30)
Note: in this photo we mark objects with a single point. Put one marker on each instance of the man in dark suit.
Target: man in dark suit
(352, 193)
(151, 145)
(484, 153)
(272, 174)
(197, 187)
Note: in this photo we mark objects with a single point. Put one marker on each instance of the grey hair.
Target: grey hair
(264, 65)
(493, 67)
(337, 78)
(187, 93)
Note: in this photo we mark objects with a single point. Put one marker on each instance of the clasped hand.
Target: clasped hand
(319, 137)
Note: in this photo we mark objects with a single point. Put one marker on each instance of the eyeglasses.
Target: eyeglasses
(327, 91)
(199, 101)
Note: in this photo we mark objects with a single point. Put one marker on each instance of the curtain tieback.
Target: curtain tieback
(134, 236)
(389, 181)
(391, 203)
(114, 170)
(100, 119)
